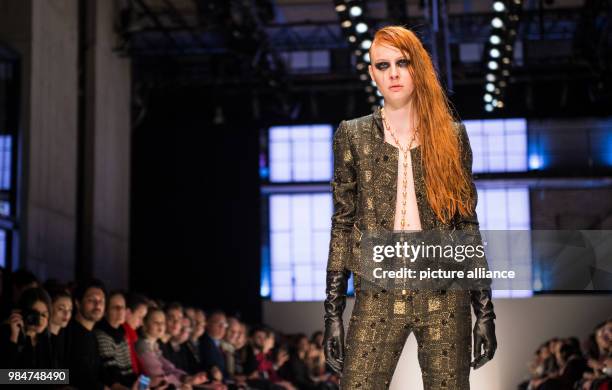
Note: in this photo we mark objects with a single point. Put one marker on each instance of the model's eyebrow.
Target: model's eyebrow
(398, 58)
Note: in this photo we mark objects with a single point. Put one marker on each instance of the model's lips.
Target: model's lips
(395, 87)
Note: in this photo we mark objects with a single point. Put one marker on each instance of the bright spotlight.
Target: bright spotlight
(355, 11)
(361, 27)
(498, 6)
(497, 22)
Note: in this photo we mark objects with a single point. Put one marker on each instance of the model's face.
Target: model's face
(92, 305)
(391, 70)
(155, 326)
(115, 314)
(61, 311)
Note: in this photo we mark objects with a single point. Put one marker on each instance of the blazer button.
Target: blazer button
(383, 221)
(386, 158)
(377, 159)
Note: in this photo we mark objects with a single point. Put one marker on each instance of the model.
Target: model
(405, 167)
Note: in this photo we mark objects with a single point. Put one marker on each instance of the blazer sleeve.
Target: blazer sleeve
(469, 225)
(344, 186)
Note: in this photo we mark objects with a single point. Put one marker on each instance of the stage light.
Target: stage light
(488, 97)
(371, 99)
(493, 65)
(495, 39)
(378, 93)
(366, 57)
(491, 77)
(358, 52)
(355, 11)
(340, 8)
(490, 87)
(346, 24)
(361, 27)
(352, 39)
(360, 66)
(535, 161)
(497, 22)
(363, 77)
(373, 83)
(366, 44)
(488, 107)
(498, 6)
(494, 53)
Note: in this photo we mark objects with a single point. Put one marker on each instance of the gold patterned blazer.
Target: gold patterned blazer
(364, 187)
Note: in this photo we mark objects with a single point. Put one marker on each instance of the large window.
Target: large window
(9, 114)
(498, 145)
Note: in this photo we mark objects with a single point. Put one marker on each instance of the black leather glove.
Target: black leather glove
(484, 329)
(333, 341)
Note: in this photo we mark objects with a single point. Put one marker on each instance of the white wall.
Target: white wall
(521, 325)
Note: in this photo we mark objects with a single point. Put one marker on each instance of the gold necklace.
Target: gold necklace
(405, 181)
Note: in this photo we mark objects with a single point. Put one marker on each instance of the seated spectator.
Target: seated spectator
(228, 343)
(210, 344)
(136, 310)
(82, 353)
(113, 347)
(25, 340)
(268, 362)
(159, 369)
(298, 370)
(61, 313)
(571, 367)
(199, 326)
(176, 349)
(599, 355)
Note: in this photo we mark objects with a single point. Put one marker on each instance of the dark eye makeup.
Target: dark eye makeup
(382, 65)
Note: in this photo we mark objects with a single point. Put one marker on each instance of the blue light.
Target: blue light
(607, 150)
(264, 288)
(264, 172)
(535, 161)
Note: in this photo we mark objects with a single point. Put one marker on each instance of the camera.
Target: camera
(31, 317)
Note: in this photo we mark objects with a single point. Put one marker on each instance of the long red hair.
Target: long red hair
(447, 184)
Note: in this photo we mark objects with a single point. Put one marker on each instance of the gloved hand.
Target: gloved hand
(484, 328)
(333, 341)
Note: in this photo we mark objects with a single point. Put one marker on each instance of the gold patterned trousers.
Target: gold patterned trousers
(381, 322)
